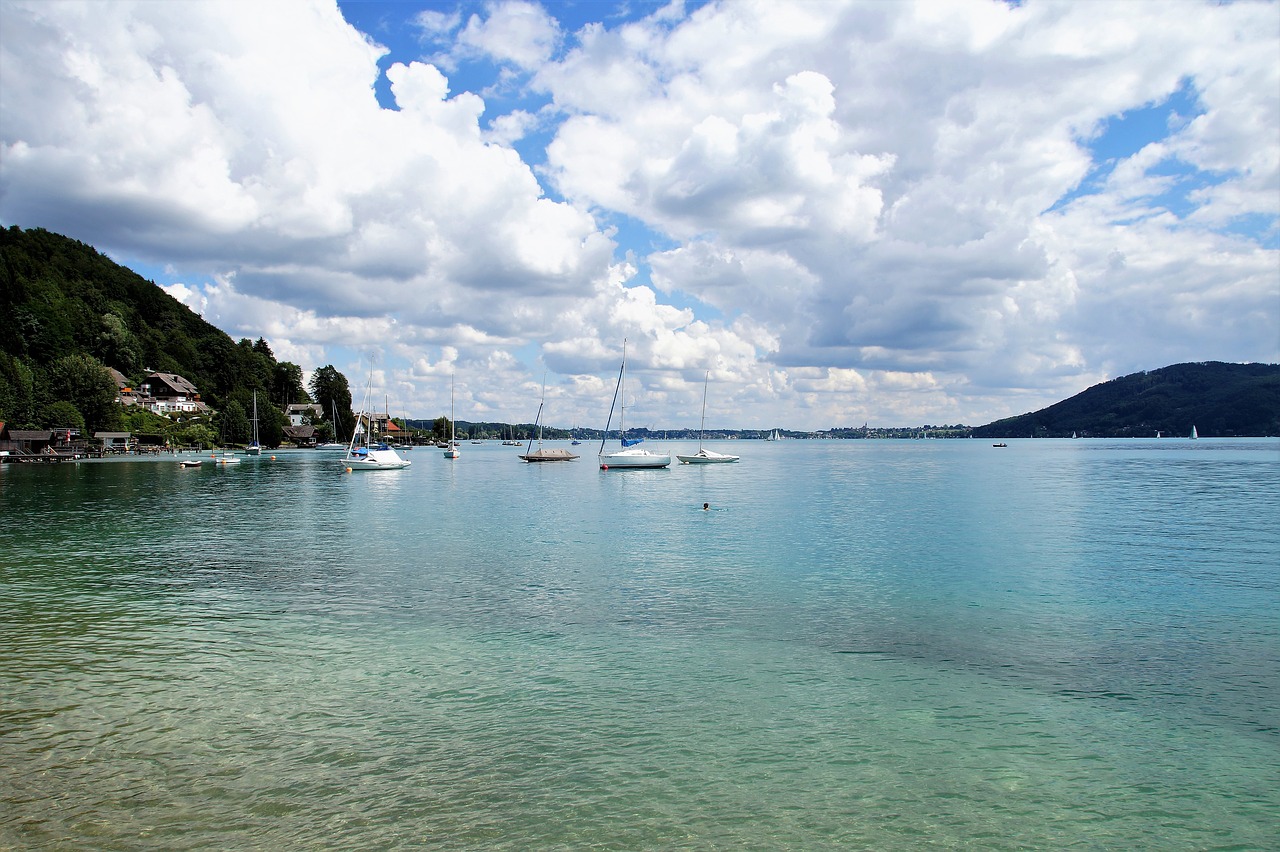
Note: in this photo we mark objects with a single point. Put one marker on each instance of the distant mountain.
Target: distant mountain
(1220, 400)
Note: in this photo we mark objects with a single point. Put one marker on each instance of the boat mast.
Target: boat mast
(703, 425)
(605, 436)
(368, 387)
(537, 421)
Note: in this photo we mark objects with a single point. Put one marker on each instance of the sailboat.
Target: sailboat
(774, 437)
(630, 456)
(370, 456)
(451, 451)
(541, 454)
(704, 456)
(334, 444)
(1194, 434)
(254, 449)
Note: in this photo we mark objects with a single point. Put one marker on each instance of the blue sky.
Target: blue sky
(848, 212)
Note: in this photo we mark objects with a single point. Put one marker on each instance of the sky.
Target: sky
(832, 213)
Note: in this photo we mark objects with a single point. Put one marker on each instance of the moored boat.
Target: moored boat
(451, 451)
(630, 457)
(541, 454)
(254, 449)
(705, 456)
(366, 456)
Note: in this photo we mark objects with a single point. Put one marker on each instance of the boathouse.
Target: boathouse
(114, 442)
(302, 436)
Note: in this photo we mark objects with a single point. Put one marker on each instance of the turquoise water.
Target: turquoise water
(863, 644)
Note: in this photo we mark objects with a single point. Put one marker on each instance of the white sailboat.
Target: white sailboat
(334, 444)
(369, 456)
(1194, 434)
(254, 449)
(451, 451)
(704, 456)
(630, 456)
(774, 436)
(544, 455)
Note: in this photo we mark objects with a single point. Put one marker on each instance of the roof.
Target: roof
(30, 435)
(174, 381)
(104, 435)
(299, 431)
(303, 406)
(121, 381)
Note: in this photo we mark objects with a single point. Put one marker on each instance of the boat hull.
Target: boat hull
(541, 455)
(708, 457)
(375, 460)
(634, 459)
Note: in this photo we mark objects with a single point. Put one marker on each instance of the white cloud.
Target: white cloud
(515, 32)
(863, 210)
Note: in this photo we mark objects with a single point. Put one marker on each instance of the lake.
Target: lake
(861, 644)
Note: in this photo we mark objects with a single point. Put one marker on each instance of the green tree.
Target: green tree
(139, 421)
(116, 345)
(59, 414)
(84, 382)
(191, 435)
(286, 384)
(233, 424)
(271, 423)
(17, 392)
(330, 391)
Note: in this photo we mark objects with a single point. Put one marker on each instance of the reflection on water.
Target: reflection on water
(868, 644)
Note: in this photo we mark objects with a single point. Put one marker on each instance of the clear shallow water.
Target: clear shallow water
(871, 644)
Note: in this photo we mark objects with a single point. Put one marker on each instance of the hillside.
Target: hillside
(66, 311)
(1219, 399)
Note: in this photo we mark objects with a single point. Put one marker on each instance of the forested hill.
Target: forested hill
(1218, 399)
(66, 310)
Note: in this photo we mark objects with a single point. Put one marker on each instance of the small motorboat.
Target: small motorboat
(191, 462)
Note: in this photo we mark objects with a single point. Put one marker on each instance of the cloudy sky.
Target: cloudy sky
(887, 212)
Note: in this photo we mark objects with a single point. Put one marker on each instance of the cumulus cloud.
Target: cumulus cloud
(875, 179)
(847, 211)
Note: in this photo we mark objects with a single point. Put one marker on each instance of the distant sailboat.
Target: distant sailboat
(451, 452)
(255, 448)
(335, 444)
(704, 456)
(1194, 433)
(541, 454)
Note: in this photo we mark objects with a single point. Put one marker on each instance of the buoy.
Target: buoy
(348, 470)
(273, 458)
(604, 467)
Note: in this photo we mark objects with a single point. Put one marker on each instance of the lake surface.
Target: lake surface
(863, 644)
